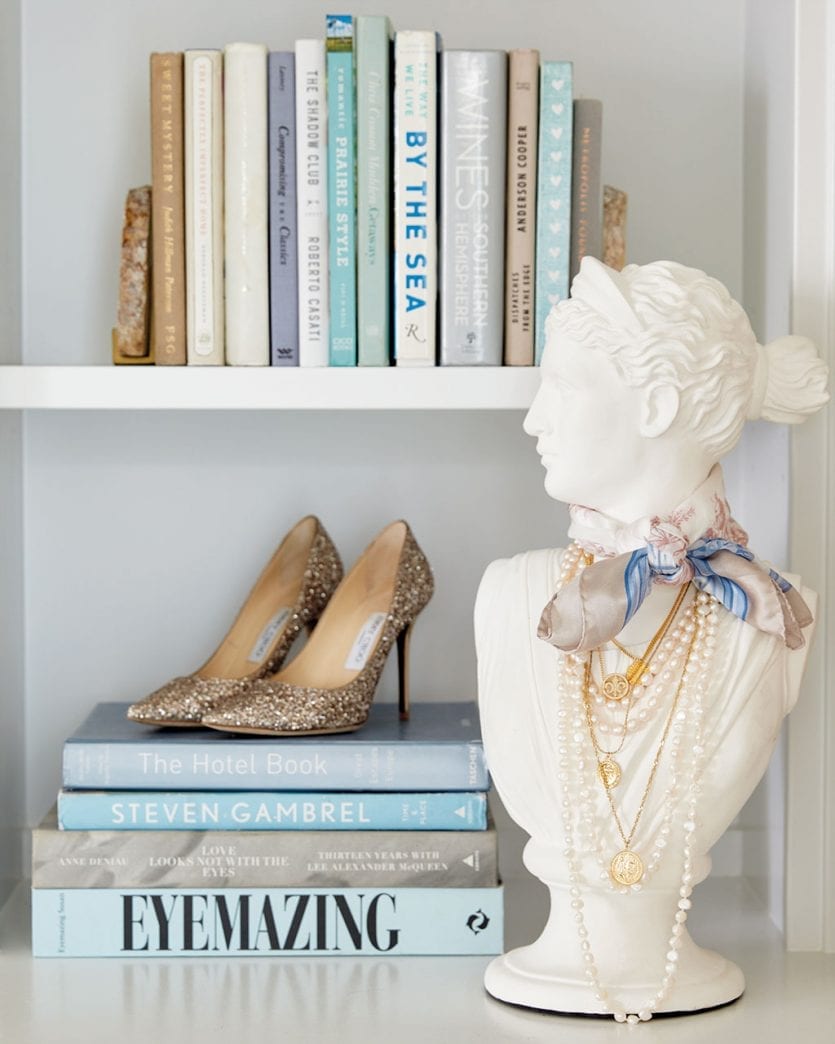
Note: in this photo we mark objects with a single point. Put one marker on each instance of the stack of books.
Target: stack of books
(364, 199)
(195, 842)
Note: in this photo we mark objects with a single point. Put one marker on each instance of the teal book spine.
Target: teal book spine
(270, 810)
(292, 922)
(374, 189)
(553, 210)
(342, 196)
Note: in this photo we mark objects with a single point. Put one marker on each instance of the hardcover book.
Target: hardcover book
(284, 290)
(415, 197)
(587, 184)
(473, 149)
(522, 146)
(373, 189)
(236, 922)
(342, 191)
(438, 748)
(312, 186)
(245, 171)
(168, 219)
(270, 810)
(204, 207)
(553, 206)
(262, 858)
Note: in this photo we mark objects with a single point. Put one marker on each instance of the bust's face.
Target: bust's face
(587, 423)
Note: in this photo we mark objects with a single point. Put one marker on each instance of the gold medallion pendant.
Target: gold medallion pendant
(627, 868)
(609, 772)
(616, 686)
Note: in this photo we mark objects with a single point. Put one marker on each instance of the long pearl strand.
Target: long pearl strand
(578, 772)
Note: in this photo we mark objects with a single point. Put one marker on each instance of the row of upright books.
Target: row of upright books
(199, 843)
(365, 199)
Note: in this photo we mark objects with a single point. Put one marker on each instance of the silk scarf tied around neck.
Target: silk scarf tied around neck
(697, 542)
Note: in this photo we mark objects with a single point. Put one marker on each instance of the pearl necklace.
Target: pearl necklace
(576, 772)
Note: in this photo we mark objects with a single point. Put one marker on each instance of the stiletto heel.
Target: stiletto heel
(291, 593)
(330, 685)
(403, 671)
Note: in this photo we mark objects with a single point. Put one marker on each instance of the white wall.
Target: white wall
(12, 774)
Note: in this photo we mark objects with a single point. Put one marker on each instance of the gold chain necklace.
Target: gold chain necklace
(617, 686)
(627, 867)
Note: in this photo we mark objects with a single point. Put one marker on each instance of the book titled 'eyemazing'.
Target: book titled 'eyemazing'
(473, 159)
(269, 810)
(234, 922)
(439, 748)
(262, 858)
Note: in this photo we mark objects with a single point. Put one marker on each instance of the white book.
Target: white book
(415, 197)
(245, 169)
(312, 202)
(203, 91)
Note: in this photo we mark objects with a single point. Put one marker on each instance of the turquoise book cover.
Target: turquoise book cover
(553, 209)
(374, 188)
(342, 201)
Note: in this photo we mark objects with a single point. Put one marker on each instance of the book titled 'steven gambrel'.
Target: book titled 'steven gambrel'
(270, 810)
(111, 922)
(439, 748)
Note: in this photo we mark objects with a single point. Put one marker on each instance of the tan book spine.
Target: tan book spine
(131, 331)
(614, 227)
(168, 270)
(520, 238)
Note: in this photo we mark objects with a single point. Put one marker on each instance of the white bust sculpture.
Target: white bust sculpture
(632, 687)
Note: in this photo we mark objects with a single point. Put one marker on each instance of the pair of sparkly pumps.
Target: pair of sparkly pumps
(353, 621)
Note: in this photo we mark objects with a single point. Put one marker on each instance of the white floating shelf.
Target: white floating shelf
(266, 388)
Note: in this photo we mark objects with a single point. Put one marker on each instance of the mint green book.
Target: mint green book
(374, 188)
(553, 205)
(342, 195)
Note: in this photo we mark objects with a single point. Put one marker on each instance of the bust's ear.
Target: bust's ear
(659, 409)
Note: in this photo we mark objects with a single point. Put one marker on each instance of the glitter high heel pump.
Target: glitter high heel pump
(330, 685)
(289, 595)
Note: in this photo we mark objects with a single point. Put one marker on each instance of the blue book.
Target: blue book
(342, 190)
(284, 287)
(269, 810)
(293, 922)
(553, 205)
(439, 748)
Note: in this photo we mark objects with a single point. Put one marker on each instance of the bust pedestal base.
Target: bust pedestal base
(629, 939)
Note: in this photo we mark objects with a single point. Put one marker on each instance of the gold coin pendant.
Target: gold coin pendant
(616, 686)
(609, 772)
(627, 868)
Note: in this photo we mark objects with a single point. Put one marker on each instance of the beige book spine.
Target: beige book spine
(520, 238)
(204, 207)
(614, 227)
(168, 270)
